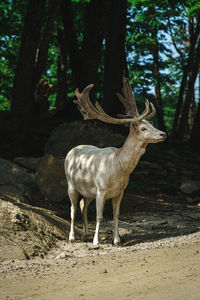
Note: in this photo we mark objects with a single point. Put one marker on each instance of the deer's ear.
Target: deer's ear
(133, 126)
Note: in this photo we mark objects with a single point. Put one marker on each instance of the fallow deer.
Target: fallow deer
(103, 173)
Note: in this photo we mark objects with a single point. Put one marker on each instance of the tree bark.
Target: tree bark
(71, 40)
(156, 72)
(114, 55)
(30, 66)
(93, 41)
(189, 95)
(195, 134)
(181, 95)
(186, 70)
(61, 99)
(44, 43)
(22, 105)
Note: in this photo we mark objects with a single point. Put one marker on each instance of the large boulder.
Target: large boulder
(190, 187)
(50, 178)
(15, 182)
(29, 163)
(11, 173)
(69, 135)
(27, 231)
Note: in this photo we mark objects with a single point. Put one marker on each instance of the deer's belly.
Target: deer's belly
(109, 189)
(86, 190)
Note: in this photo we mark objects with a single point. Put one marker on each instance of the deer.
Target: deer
(103, 173)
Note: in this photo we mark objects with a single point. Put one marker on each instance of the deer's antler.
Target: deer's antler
(89, 111)
(129, 100)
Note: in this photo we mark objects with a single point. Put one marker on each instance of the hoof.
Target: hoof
(71, 238)
(117, 243)
(95, 243)
(71, 241)
(87, 238)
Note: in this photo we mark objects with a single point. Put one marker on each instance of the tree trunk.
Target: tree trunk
(30, 66)
(22, 105)
(158, 98)
(44, 43)
(181, 95)
(186, 70)
(115, 55)
(92, 41)
(84, 63)
(71, 40)
(61, 99)
(189, 95)
(156, 73)
(195, 135)
(41, 97)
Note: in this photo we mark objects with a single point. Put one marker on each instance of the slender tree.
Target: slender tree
(31, 65)
(85, 56)
(195, 134)
(186, 66)
(189, 94)
(115, 58)
(61, 99)
(71, 42)
(156, 72)
(22, 105)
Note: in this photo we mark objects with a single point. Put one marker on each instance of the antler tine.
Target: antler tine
(129, 100)
(150, 116)
(90, 112)
(85, 106)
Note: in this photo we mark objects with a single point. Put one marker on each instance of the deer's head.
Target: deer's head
(140, 125)
(145, 132)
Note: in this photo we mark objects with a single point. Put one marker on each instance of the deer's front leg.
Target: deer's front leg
(99, 216)
(73, 195)
(116, 206)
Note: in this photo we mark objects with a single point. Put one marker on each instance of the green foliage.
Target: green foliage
(11, 24)
(144, 18)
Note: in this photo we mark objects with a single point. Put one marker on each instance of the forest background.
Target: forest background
(50, 47)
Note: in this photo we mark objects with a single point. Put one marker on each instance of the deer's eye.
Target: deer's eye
(143, 128)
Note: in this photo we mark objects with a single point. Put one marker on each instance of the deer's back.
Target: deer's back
(89, 168)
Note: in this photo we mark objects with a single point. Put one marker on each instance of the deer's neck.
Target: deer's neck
(129, 155)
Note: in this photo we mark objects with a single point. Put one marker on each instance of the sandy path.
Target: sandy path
(169, 272)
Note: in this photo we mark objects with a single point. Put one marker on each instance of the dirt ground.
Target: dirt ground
(165, 271)
(159, 259)
(166, 268)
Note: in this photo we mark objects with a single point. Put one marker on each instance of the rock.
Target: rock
(148, 164)
(26, 231)
(190, 200)
(11, 173)
(18, 192)
(29, 163)
(196, 198)
(50, 178)
(69, 135)
(190, 187)
(62, 255)
(15, 182)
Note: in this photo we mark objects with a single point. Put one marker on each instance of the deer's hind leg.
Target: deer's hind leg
(84, 203)
(73, 195)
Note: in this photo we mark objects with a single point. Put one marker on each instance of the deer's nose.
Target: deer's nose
(164, 136)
